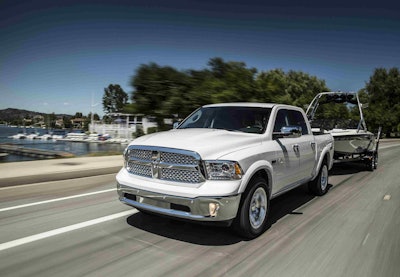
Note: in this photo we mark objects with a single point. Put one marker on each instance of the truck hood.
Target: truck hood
(209, 143)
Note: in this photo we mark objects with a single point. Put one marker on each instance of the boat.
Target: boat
(19, 136)
(93, 137)
(32, 136)
(45, 137)
(340, 114)
(58, 134)
(75, 137)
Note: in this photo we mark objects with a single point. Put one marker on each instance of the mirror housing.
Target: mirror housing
(175, 125)
(288, 132)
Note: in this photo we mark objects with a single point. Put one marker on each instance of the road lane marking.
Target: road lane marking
(56, 200)
(365, 239)
(387, 146)
(29, 239)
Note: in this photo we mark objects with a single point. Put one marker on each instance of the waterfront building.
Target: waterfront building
(124, 126)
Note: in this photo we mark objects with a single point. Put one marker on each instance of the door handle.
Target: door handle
(296, 148)
(313, 145)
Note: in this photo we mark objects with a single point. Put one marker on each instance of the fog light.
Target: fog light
(213, 209)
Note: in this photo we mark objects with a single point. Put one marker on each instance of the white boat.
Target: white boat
(46, 137)
(32, 136)
(335, 113)
(77, 137)
(350, 141)
(19, 136)
(58, 134)
(93, 137)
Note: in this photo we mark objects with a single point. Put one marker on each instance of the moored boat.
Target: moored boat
(19, 136)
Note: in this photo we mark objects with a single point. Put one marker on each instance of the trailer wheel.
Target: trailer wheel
(376, 160)
(319, 186)
(251, 220)
(372, 163)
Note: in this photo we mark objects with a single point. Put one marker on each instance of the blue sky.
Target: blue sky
(56, 55)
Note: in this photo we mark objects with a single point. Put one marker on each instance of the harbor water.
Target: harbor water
(75, 148)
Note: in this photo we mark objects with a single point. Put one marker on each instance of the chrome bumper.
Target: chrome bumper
(197, 209)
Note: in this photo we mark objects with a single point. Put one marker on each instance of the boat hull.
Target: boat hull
(351, 142)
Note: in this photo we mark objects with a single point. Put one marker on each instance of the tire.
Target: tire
(372, 164)
(319, 186)
(376, 160)
(251, 220)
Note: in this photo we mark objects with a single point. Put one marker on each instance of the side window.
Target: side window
(281, 120)
(296, 118)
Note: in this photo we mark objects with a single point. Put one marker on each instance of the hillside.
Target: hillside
(10, 114)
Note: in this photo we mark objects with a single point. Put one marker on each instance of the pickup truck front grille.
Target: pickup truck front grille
(164, 163)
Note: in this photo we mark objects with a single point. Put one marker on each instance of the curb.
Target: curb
(29, 179)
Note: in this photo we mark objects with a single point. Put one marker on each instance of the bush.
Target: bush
(152, 130)
(139, 132)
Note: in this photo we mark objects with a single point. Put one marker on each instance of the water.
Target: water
(76, 148)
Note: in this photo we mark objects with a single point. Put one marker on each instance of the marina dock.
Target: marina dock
(33, 152)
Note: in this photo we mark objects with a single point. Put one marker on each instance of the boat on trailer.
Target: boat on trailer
(340, 114)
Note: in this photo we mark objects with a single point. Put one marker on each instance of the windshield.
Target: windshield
(243, 119)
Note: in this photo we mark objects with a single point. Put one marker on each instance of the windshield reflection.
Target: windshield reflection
(231, 118)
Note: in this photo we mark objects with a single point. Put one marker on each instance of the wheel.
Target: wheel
(319, 186)
(251, 220)
(376, 160)
(372, 163)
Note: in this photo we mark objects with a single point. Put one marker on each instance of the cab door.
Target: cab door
(296, 154)
(305, 145)
(287, 163)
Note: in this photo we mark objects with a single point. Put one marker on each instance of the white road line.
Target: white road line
(387, 146)
(56, 200)
(365, 239)
(22, 241)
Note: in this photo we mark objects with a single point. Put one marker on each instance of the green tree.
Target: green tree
(303, 87)
(294, 87)
(231, 82)
(67, 122)
(272, 87)
(383, 94)
(114, 99)
(159, 91)
(164, 92)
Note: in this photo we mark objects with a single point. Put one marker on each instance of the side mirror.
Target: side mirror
(288, 132)
(175, 125)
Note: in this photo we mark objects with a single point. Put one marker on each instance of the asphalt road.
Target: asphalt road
(77, 227)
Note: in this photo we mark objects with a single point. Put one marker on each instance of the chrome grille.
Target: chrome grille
(175, 158)
(139, 169)
(187, 176)
(164, 163)
(139, 154)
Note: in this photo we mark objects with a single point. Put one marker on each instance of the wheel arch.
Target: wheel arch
(325, 158)
(260, 169)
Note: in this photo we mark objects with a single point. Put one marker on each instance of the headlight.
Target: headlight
(223, 170)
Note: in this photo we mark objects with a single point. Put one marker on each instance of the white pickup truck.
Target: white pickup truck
(224, 163)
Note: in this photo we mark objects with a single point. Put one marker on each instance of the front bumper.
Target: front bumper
(197, 209)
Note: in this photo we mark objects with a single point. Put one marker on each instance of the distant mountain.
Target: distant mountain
(10, 114)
